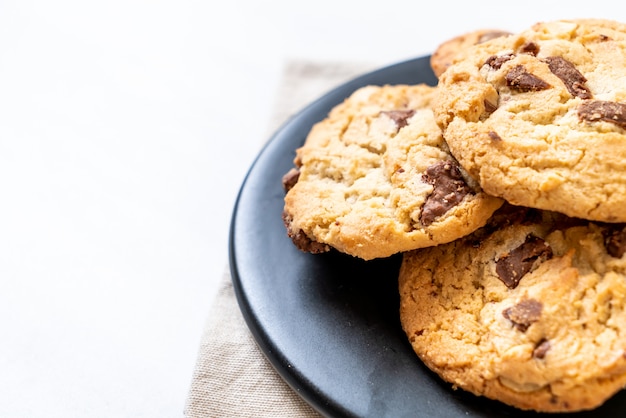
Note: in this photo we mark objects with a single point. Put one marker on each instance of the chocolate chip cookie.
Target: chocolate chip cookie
(375, 178)
(529, 310)
(454, 48)
(539, 118)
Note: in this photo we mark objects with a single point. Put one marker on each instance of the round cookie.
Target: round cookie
(529, 310)
(539, 118)
(454, 48)
(375, 178)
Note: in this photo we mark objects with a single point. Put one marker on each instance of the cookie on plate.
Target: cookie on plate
(375, 178)
(539, 118)
(447, 51)
(529, 310)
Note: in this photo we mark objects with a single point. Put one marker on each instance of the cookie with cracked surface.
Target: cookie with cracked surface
(375, 178)
(539, 118)
(529, 310)
(454, 48)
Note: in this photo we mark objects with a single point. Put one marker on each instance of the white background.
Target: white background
(126, 129)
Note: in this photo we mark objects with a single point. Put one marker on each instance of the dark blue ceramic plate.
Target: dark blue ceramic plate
(329, 323)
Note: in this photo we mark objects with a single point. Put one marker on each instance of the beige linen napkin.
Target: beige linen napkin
(232, 377)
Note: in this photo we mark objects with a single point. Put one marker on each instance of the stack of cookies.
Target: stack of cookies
(504, 188)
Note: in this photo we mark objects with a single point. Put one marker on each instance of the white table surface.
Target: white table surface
(126, 129)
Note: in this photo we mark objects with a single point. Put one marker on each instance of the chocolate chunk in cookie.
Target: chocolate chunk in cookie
(531, 48)
(449, 189)
(301, 240)
(597, 110)
(519, 78)
(542, 349)
(496, 61)
(524, 314)
(514, 265)
(400, 117)
(290, 179)
(493, 135)
(571, 77)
